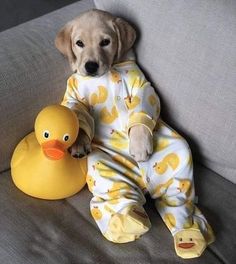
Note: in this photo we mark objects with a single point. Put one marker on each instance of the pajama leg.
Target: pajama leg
(170, 182)
(117, 205)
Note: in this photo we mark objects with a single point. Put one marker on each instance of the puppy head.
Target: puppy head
(95, 40)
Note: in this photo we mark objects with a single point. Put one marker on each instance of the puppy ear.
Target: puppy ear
(63, 42)
(126, 36)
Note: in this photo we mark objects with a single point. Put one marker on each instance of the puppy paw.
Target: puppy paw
(82, 145)
(140, 143)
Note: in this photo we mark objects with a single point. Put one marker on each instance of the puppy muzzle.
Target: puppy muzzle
(91, 67)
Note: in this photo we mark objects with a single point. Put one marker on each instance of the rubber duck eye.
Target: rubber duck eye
(46, 134)
(80, 43)
(180, 239)
(190, 239)
(66, 137)
(104, 42)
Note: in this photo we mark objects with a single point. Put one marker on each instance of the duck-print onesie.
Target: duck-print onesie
(116, 101)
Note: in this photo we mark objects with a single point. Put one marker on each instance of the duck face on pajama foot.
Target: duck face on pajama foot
(189, 243)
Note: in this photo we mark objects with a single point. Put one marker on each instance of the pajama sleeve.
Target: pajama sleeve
(143, 103)
(75, 100)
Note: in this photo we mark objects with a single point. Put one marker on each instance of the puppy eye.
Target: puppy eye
(80, 43)
(105, 42)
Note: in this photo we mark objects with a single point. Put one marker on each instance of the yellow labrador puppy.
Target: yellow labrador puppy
(93, 42)
(134, 151)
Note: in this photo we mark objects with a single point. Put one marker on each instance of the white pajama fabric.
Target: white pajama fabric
(118, 100)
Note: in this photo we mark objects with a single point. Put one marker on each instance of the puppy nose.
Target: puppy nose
(91, 67)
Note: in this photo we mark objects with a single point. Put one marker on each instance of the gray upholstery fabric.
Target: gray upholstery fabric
(188, 49)
(22, 11)
(33, 74)
(63, 232)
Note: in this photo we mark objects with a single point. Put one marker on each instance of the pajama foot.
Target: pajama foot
(210, 237)
(189, 243)
(128, 225)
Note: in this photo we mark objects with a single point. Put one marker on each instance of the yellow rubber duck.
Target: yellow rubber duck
(41, 166)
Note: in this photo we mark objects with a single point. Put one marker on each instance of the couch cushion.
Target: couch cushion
(22, 11)
(33, 74)
(39, 231)
(188, 49)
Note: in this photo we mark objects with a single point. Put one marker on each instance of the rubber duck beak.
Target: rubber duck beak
(54, 149)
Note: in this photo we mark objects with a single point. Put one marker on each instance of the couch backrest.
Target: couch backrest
(188, 50)
(33, 74)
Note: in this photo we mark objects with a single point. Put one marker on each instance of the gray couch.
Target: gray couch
(188, 50)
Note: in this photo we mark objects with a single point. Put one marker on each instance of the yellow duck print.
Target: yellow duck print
(118, 140)
(152, 100)
(131, 102)
(91, 182)
(100, 98)
(129, 172)
(108, 117)
(116, 190)
(115, 76)
(170, 202)
(170, 220)
(171, 160)
(184, 186)
(104, 170)
(73, 88)
(72, 83)
(136, 178)
(96, 213)
(109, 209)
(123, 161)
(160, 167)
(161, 188)
(160, 144)
(134, 79)
(175, 134)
